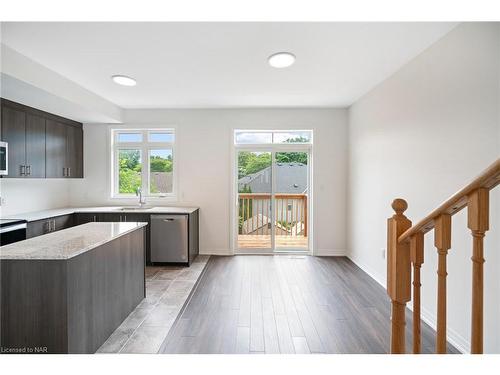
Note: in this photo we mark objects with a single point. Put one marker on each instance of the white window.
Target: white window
(143, 158)
(259, 137)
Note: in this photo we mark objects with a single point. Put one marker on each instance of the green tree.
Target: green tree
(129, 174)
(159, 164)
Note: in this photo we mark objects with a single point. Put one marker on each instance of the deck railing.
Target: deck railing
(290, 214)
(405, 247)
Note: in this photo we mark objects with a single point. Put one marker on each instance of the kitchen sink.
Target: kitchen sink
(134, 208)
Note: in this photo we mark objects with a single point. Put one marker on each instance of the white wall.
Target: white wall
(204, 139)
(25, 195)
(421, 135)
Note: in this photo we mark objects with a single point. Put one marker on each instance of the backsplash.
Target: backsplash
(27, 195)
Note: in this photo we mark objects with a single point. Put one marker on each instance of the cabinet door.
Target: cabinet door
(74, 151)
(82, 218)
(55, 137)
(36, 228)
(63, 222)
(111, 217)
(35, 146)
(14, 132)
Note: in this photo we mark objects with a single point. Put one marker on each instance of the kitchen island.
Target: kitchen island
(67, 291)
(46, 221)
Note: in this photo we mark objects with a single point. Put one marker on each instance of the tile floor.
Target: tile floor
(167, 289)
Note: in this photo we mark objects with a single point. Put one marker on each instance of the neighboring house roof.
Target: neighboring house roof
(290, 178)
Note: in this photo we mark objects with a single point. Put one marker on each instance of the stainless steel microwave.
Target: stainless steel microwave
(4, 152)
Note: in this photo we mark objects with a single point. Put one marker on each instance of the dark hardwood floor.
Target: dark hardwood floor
(286, 304)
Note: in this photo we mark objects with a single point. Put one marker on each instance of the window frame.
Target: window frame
(273, 132)
(144, 147)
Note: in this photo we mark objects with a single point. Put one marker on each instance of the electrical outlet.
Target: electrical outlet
(383, 253)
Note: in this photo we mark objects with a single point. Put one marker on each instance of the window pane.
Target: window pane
(161, 171)
(129, 172)
(292, 137)
(129, 137)
(161, 137)
(253, 138)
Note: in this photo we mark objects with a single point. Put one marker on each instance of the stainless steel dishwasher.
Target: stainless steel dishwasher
(169, 238)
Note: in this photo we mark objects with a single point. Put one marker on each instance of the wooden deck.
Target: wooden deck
(264, 241)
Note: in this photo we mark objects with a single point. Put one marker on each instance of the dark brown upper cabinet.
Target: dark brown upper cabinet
(35, 146)
(14, 132)
(74, 151)
(41, 145)
(25, 134)
(55, 147)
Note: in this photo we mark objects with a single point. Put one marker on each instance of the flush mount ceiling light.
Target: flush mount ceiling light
(124, 80)
(281, 59)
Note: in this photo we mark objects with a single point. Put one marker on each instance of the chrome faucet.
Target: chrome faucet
(142, 199)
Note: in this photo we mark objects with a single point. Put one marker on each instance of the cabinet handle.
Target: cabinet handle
(28, 170)
(69, 172)
(94, 219)
(125, 218)
(54, 224)
(22, 171)
(64, 172)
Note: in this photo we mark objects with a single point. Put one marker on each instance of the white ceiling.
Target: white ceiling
(205, 65)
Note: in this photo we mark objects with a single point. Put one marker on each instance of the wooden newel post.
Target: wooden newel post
(398, 274)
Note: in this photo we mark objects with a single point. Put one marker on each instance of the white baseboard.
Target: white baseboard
(221, 252)
(368, 271)
(330, 252)
(454, 338)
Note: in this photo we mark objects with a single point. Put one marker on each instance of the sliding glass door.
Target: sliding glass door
(254, 200)
(272, 203)
(290, 194)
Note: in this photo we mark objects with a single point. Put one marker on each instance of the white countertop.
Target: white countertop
(40, 215)
(68, 243)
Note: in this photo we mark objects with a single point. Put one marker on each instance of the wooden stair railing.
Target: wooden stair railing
(405, 248)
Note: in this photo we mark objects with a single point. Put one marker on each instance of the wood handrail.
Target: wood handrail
(488, 179)
(405, 250)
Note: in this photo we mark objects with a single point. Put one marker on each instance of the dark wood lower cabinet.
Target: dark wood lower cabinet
(71, 306)
(52, 224)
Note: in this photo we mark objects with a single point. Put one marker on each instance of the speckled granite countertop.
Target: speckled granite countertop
(67, 243)
(40, 215)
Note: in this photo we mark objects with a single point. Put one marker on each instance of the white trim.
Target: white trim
(218, 252)
(330, 252)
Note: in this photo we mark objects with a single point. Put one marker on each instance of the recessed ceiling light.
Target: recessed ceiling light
(281, 59)
(124, 80)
